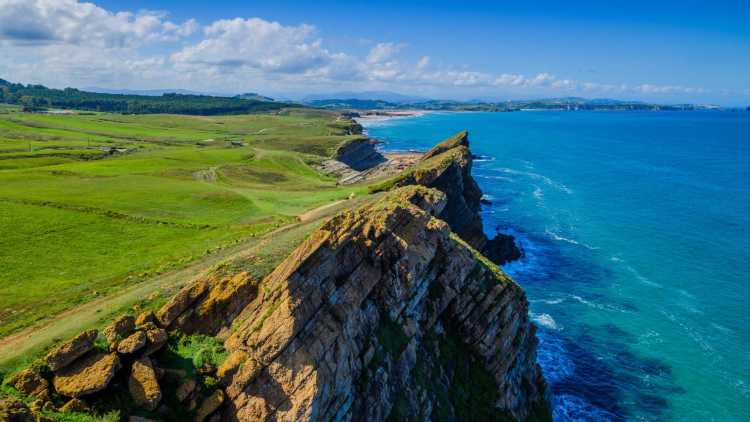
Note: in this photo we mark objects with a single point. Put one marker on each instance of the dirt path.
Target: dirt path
(35, 338)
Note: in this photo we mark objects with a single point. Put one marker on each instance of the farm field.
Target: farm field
(91, 203)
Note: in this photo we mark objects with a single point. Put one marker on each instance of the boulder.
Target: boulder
(132, 343)
(30, 383)
(144, 318)
(157, 338)
(119, 329)
(72, 350)
(14, 410)
(75, 405)
(139, 419)
(209, 405)
(88, 375)
(143, 386)
(185, 389)
(180, 302)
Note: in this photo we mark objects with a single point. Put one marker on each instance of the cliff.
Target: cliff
(447, 167)
(383, 313)
(359, 154)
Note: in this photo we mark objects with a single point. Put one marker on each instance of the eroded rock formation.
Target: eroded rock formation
(384, 311)
(447, 167)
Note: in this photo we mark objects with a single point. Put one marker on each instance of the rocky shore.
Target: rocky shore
(386, 312)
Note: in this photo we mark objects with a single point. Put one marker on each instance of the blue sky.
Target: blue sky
(656, 51)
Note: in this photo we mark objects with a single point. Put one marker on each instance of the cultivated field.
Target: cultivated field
(91, 203)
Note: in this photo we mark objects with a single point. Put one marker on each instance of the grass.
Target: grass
(190, 353)
(78, 222)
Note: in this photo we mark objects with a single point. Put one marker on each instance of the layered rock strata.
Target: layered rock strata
(385, 312)
(447, 167)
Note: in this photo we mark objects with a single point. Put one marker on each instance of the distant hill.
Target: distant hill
(353, 103)
(150, 92)
(383, 96)
(37, 97)
(565, 103)
(253, 96)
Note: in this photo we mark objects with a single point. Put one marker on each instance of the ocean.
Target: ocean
(635, 228)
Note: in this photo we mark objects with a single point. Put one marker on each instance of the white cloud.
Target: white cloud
(382, 52)
(72, 22)
(68, 42)
(423, 62)
(257, 44)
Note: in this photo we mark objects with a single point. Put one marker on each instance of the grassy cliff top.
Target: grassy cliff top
(94, 202)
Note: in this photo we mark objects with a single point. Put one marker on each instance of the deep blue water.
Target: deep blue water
(635, 227)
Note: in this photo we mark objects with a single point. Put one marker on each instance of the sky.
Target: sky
(659, 51)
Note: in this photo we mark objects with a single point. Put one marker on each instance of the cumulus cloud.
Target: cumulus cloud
(73, 22)
(257, 44)
(382, 52)
(68, 42)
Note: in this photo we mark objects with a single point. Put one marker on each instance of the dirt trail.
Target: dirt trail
(68, 323)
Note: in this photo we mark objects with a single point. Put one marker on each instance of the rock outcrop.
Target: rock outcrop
(208, 304)
(359, 154)
(447, 167)
(338, 330)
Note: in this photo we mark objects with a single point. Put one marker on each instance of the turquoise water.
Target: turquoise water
(635, 228)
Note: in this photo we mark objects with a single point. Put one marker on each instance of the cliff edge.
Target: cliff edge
(385, 313)
(447, 167)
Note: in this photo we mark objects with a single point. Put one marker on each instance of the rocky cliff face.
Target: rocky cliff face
(384, 312)
(447, 167)
(359, 154)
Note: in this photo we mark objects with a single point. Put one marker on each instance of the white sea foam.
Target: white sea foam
(557, 237)
(536, 176)
(545, 320)
(692, 333)
(490, 177)
(643, 279)
(553, 357)
(548, 301)
(538, 192)
(595, 305)
(650, 337)
(573, 408)
(721, 328)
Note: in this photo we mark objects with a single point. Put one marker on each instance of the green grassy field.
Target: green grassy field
(90, 202)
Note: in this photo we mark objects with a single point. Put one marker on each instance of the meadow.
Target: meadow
(91, 203)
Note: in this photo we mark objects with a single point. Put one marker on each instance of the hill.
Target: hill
(39, 97)
(566, 103)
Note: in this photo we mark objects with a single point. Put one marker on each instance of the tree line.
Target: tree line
(38, 97)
